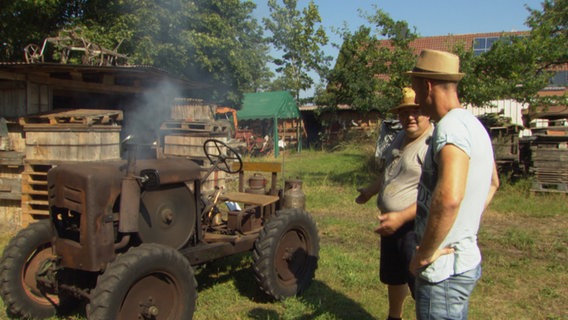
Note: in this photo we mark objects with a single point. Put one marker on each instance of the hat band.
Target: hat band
(416, 69)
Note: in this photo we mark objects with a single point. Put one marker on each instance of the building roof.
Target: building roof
(103, 79)
(449, 41)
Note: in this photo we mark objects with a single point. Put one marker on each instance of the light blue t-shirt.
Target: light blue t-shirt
(461, 129)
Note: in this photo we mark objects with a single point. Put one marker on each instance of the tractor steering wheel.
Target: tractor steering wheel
(219, 153)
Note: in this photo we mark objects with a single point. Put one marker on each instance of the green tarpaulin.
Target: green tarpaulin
(275, 105)
(268, 105)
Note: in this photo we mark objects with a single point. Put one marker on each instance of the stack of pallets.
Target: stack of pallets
(63, 137)
(549, 155)
(192, 123)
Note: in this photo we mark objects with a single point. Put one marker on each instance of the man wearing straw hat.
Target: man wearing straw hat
(458, 181)
(396, 200)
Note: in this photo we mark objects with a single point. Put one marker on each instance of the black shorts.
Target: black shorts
(396, 252)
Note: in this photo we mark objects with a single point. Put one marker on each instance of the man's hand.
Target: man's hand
(364, 196)
(419, 262)
(390, 222)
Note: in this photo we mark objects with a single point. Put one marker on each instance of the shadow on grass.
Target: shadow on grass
(318, 299)
(321, 300)
(238, 269)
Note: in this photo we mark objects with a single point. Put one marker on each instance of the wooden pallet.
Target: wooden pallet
(194, 126)
(11, 158)
(539, 186)
(11, 182)
(35, 204)
(188, 109)
(86, 117)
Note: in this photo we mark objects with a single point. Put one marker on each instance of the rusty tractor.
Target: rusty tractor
(123, 238)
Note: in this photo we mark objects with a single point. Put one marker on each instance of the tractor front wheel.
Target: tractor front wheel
(151, 281)
(26, 255)
(286, 253)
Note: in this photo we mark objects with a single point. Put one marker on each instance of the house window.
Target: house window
(560, 79)
(482, 45)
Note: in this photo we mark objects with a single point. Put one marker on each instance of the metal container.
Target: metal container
(257, 184)
(294, 197)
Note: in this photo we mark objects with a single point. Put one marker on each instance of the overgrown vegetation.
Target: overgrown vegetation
(224, 48)
(523, 240)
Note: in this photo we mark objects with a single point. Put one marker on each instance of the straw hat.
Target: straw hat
(408, 96)
(438, 65)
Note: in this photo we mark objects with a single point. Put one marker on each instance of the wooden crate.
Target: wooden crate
(187, 145)
(191, 147)
(72, 144)
(191, 110)
(549, 156)
(73, 135)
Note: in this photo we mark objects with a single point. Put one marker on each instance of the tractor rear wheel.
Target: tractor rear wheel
(286, 253)
(151, 281)
(28, 253)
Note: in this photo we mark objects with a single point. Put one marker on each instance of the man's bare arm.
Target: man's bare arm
(446, 201)
(494, 186)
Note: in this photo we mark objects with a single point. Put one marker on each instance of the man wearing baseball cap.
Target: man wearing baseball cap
(396, 200)
(459, 179)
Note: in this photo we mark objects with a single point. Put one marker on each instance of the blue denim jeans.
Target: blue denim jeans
(447, 299)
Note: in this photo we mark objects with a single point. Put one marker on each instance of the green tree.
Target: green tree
(299, 38)
(226, 48)
(549, 35)
(518, 67)
(369, 73)
(25, 22)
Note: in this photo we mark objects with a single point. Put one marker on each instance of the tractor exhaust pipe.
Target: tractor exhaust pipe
(130, 193)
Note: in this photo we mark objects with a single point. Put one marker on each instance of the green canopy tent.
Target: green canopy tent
(275, 105)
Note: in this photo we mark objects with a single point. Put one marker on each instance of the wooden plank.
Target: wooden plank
(73, 145)
(10, 182)
(11, 158)
(10, 189)
(189, 145)
(77, 116)
(211, 128)
(10, 214)
(260, 166)
(249, 198)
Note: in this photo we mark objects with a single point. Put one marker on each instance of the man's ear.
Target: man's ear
(428, 84)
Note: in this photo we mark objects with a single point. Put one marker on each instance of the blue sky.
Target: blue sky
(430, 17)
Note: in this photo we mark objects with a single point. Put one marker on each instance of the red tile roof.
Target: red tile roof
(449, 41)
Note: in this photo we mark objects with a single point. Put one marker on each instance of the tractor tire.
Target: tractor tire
(23, 257)
(286, 254)
(151, 281)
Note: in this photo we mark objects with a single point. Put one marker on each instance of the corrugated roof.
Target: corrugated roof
(132, 77)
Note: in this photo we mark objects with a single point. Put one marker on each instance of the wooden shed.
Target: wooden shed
(53, 113)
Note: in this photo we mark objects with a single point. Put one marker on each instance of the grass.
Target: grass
(523, 239)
